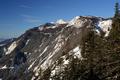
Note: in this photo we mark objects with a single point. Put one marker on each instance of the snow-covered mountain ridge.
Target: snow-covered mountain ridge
(79, 21)
(41, 47)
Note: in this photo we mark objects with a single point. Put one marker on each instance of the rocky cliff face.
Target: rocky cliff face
(39, 48)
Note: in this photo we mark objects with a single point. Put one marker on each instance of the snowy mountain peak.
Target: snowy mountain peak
(78, 21)
(77, 17)
(74, 20)
(61, 21)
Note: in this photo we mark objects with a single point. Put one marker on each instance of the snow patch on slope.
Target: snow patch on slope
(27, 41)
(31, 65)
(40, 28)
(11, 47)
(77, 52)
(43, 51)
(105, 26)
(65, 62)
(4, 67)
(57, 47)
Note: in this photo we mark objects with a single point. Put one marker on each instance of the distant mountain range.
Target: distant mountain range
(6, 41)
(2, 39)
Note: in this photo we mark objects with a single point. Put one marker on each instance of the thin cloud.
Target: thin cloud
(25, 6)
(30, 19)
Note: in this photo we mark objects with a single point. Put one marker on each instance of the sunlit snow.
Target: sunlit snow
(105, 26)
(11, 48)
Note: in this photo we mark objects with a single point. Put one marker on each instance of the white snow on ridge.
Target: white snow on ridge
(77, 22)
(61, 21)
(72, 22)
(11, 47)
(58, 22)
(43, 28)
(40, 28)
(105, 26)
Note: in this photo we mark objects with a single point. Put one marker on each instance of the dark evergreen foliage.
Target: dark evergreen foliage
(117, 13)
(115, 31)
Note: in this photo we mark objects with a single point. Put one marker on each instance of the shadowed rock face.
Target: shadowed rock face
(40, 47)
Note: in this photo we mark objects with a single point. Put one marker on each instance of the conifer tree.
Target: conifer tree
(113, 44)
(115, 31)
(116, 9)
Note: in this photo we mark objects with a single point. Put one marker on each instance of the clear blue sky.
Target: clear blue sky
(16, 16)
